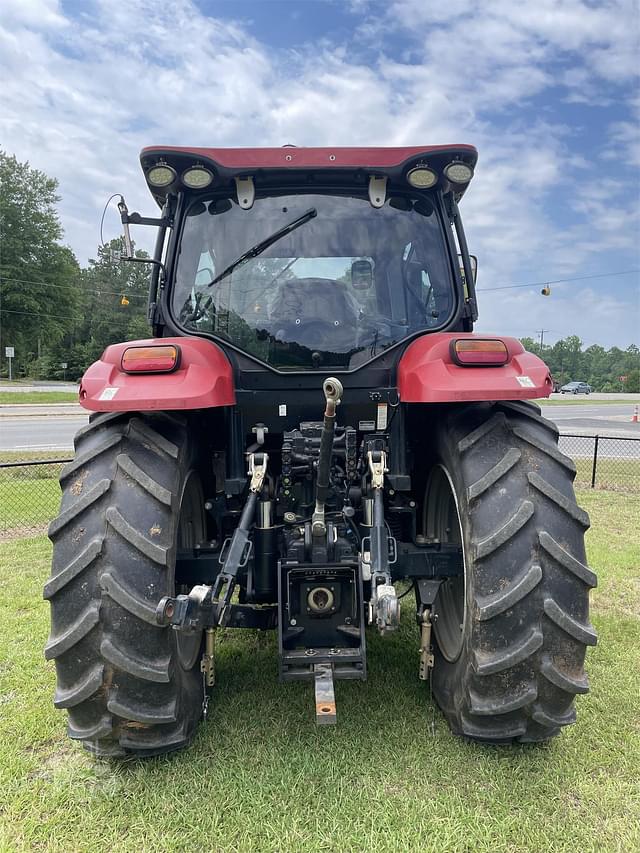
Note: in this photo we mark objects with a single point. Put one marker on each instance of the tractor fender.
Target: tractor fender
(427, 372)
(203, 379)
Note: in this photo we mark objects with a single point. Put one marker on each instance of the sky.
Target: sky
(547, 91)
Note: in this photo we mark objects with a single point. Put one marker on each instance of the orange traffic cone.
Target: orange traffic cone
(634, 419)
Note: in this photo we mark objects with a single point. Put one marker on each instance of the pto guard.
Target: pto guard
(428, 374)
(204, 379)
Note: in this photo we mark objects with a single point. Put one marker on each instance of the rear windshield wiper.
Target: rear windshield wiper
(260, 247)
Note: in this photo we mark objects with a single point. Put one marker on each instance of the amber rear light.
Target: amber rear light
(479, 352)
(152, 359)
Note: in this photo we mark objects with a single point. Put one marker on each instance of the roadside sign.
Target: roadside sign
(63, 365)
(10, 353)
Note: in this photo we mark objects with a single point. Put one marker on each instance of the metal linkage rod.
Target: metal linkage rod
(209, 606)
(333, 394)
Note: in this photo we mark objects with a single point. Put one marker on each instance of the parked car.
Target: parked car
(576, 388)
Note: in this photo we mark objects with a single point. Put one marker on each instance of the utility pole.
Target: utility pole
(541, 333)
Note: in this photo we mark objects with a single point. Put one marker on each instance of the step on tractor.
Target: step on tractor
(312, 430)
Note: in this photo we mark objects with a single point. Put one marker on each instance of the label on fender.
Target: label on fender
(108, 394)
(526, 381)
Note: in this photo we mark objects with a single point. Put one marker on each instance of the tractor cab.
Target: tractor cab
(309, 259)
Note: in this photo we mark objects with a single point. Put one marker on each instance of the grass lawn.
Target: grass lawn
(17, 397)
(261, 777)
(29, 496)
(584, 400)
(617, 474)
(32, 455)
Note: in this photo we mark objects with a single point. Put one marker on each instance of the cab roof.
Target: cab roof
(286, 163)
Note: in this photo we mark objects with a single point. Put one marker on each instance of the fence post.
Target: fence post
(595, 463)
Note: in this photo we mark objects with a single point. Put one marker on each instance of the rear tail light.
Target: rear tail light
(153, 359)
(479, 352)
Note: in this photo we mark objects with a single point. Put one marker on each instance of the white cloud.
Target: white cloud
(98, 88)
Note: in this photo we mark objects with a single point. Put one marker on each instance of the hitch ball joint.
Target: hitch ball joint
(333, 389)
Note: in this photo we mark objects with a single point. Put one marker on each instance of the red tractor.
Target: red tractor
(312, 422)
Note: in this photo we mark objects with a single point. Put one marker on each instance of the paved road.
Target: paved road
(68, 387)
(40, 433)
(592, 419)
(55, 431)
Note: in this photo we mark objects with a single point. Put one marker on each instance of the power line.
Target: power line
(81, 289)
(557, 280)
(46, 314)
(78, 283)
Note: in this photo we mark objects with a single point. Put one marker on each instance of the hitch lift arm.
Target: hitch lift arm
(209, 606)
(384, 600)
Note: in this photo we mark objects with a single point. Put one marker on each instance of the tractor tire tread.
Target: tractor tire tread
(126, 464)
(69, 515)
(502, 467)
(118, 671)
(84, 559)
(527, 627)
(506, 532)
(83, 459)
(117, 590)
(81, 689)
(497, 603)
(58, 644)
(561, 500)
(136, 539)
(567, 560)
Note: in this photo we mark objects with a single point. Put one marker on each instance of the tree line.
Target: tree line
(54, 312)
(605, 370)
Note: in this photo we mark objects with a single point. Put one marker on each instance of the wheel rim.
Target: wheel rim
(441, 522)
(191, 532)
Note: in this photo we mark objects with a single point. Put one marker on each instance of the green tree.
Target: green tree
(114, 302)
(39, 277)
(632, 382)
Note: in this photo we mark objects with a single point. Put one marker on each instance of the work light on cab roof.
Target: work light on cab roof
(313, 433)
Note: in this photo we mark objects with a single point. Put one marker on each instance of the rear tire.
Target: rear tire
(510, 639)
(129, 497)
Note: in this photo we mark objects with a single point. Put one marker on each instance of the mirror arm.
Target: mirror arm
(136, 219)
(153, 261)
(466, 261)
(124, 218)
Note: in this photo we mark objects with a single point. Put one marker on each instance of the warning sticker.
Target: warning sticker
(526, 381)
(108, 394)
(382, 416)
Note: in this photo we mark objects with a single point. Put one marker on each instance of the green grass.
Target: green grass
(616, 474)
(390, 777)
(27, 503)
(33, 455)
(29, 496)
(15, 398)
(583, 400)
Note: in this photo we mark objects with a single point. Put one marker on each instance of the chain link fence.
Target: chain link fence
(30, 494)
(604, 461)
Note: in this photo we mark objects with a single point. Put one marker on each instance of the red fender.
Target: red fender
(428, 374)
(203, 379)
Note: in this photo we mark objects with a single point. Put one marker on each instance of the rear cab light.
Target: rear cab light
(161, 358)
(479, 352)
